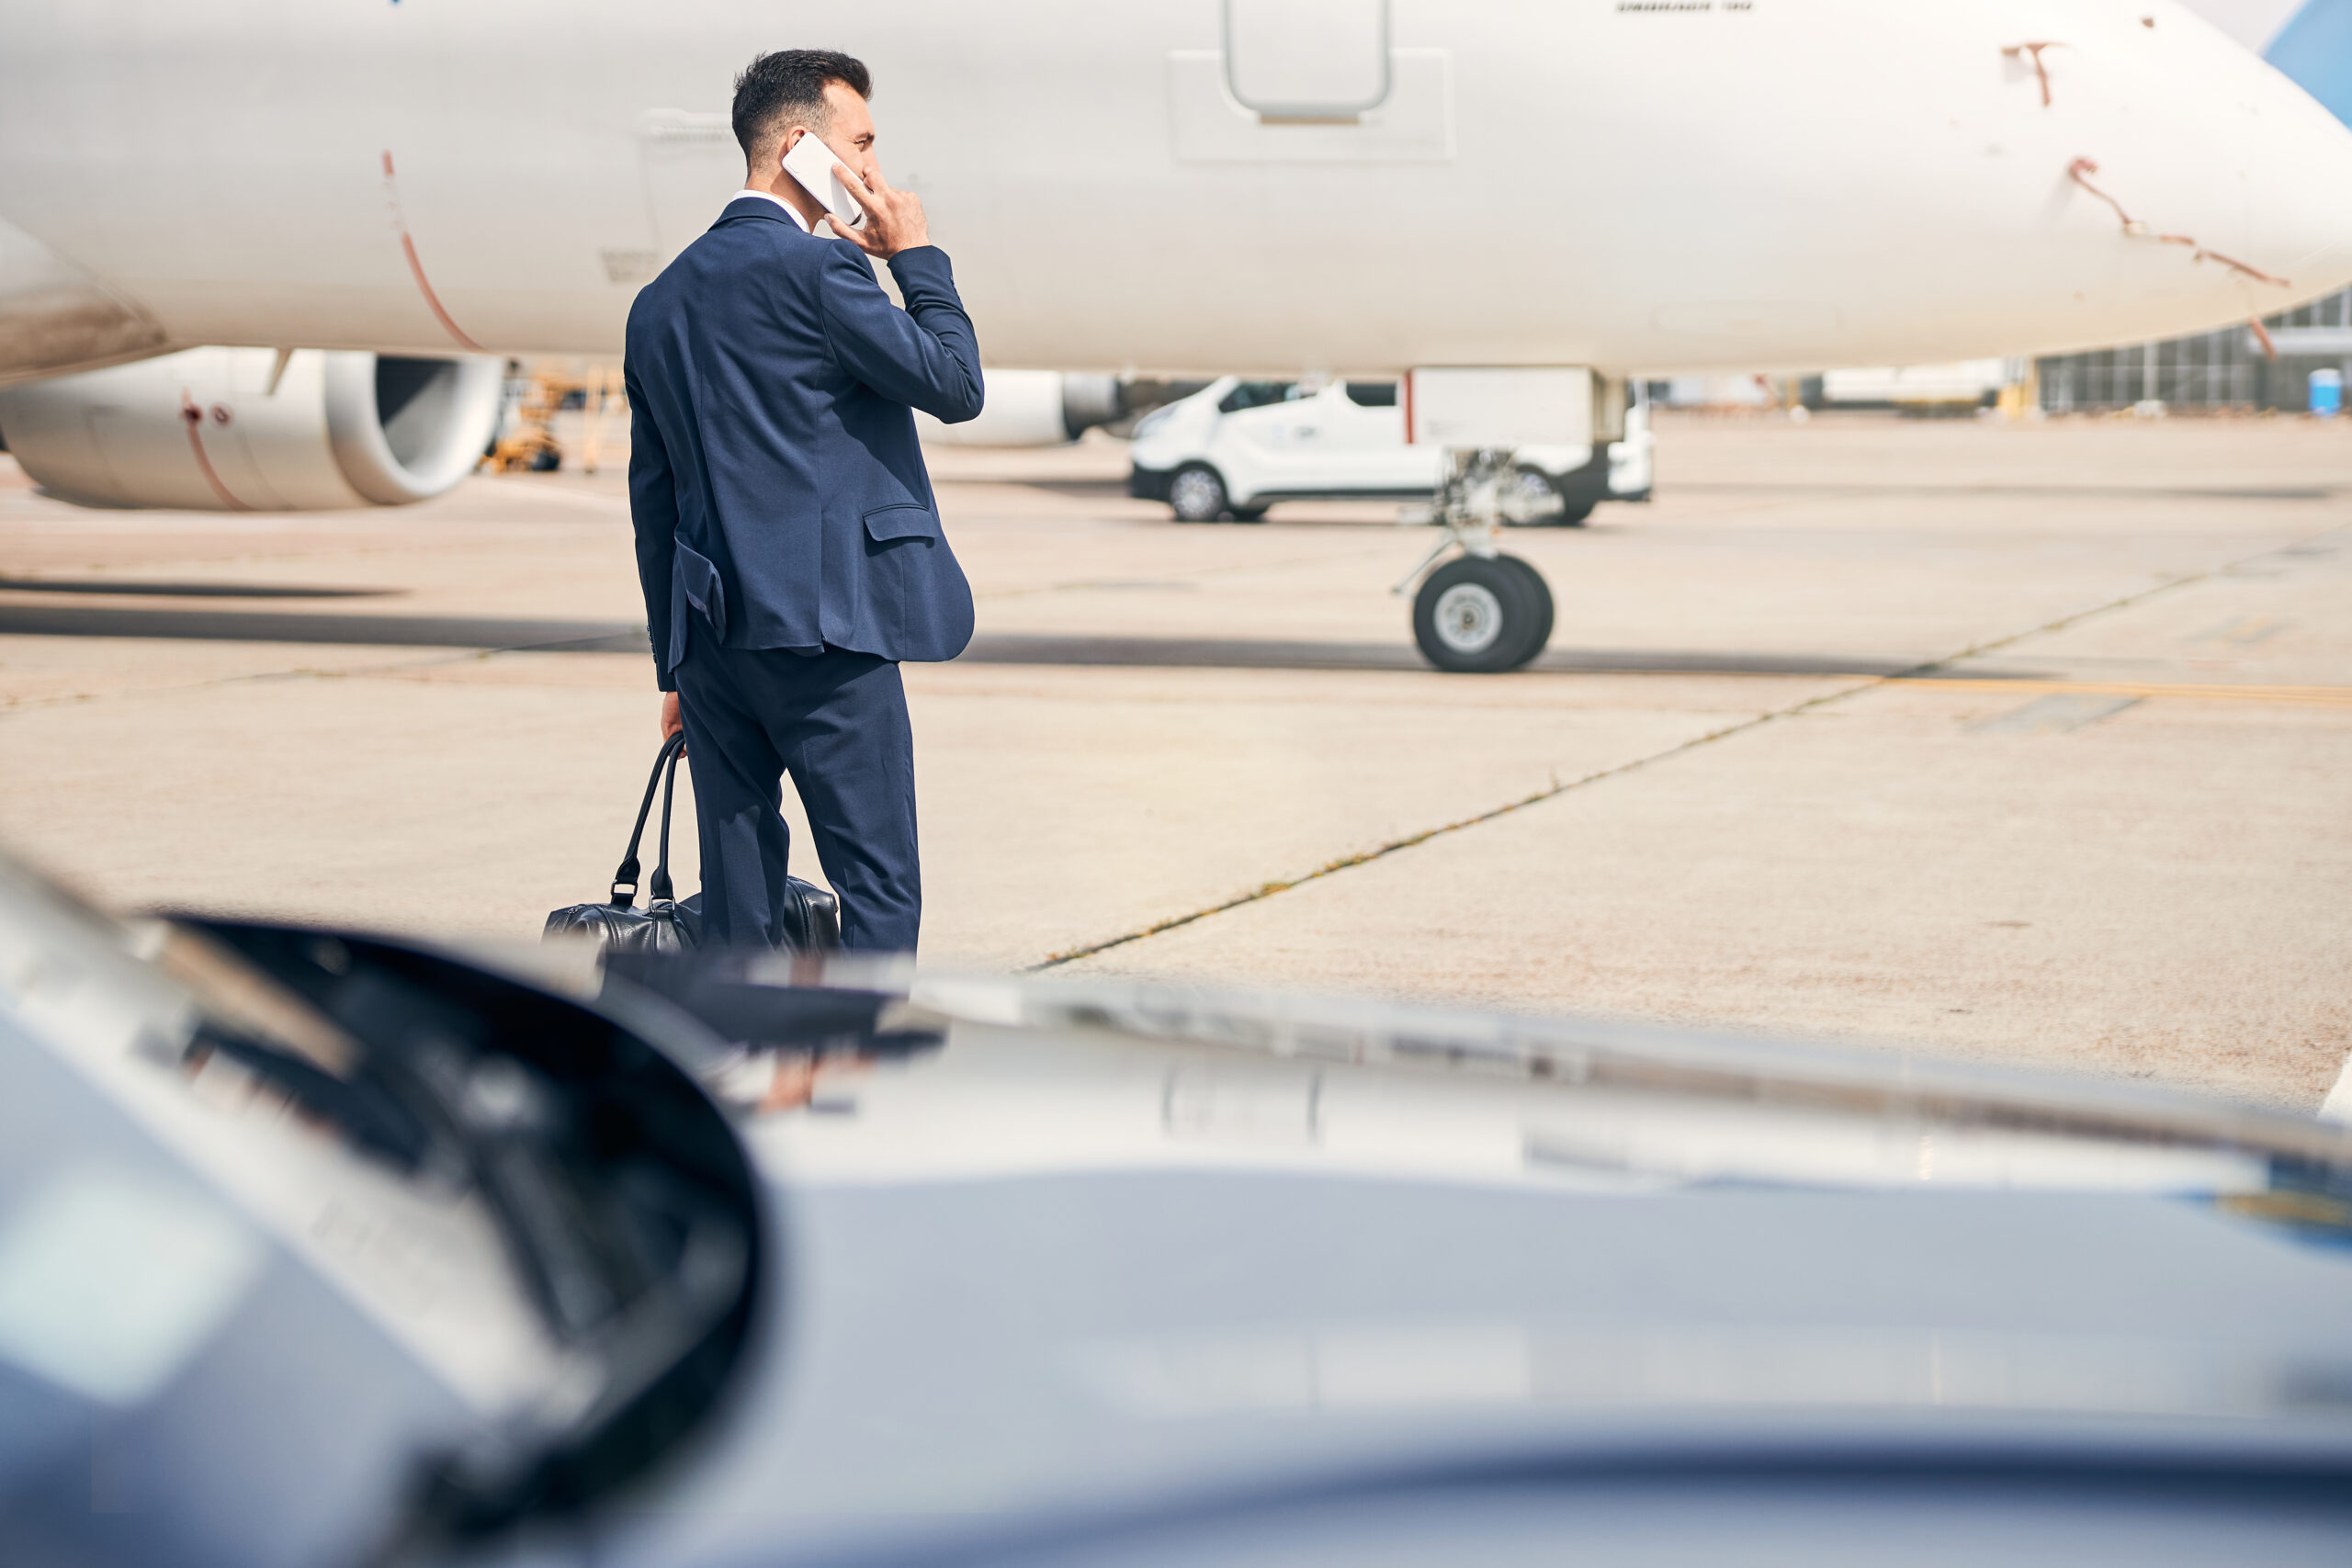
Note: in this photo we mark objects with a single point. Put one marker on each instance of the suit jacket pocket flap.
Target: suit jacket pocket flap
(902, 522)
(703, 589)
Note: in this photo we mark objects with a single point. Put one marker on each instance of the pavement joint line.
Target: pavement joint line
(1923, 674)
(1346, 863)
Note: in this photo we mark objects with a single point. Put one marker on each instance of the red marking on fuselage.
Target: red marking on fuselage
(2255, 273)
(193, 417)
(415, 266)
(2033, 52)
(2079, 172)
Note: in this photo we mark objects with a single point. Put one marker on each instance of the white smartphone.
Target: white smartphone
(811, 162)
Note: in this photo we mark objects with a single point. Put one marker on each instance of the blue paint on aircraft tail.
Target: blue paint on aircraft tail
(2314, 52)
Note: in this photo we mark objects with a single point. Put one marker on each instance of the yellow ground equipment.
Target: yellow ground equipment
(531, 443)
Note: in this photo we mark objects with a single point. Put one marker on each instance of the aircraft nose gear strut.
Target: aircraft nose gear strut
(1481, 611)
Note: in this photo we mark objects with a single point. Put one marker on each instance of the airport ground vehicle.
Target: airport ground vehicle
(1236, 447)
(317, 1249)
(1922, 390)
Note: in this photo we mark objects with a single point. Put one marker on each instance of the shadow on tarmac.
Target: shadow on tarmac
(1033, 648)
(1234, 653)
(319, 627)
(187, 590)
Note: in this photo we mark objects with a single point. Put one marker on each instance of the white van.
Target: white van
(1236, 447)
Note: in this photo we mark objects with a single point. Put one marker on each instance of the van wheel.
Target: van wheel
(1196, 494)
(1533, 499)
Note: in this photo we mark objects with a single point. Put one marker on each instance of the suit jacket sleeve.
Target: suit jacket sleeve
(653, 513)
(925, 356)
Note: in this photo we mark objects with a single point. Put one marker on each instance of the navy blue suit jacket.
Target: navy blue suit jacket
(776, 486)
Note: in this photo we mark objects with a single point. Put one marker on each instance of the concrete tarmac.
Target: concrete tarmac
(2023, 742)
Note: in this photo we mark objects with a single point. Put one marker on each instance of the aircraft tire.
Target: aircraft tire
(1540, 594)
(1474, 616)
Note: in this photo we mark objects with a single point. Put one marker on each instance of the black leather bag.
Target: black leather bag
(812, 916)
(812, 920)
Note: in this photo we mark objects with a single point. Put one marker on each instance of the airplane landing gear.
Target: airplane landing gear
(1477, 615)
(1483, 611)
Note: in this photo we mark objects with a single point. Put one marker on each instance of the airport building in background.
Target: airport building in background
(2227, 371)
(2219, 370)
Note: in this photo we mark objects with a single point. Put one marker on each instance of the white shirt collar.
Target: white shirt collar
(771, 196)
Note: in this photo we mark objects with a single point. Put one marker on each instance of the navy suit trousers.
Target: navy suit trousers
(837, 722)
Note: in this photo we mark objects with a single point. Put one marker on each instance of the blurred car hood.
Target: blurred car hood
(1055, 1248)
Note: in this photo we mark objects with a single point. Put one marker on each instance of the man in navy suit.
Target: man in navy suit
(788, 540)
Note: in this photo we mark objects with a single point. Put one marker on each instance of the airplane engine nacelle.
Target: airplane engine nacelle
(205, 430)
(1028, 408)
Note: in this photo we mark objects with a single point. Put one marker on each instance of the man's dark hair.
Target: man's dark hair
(789, 84)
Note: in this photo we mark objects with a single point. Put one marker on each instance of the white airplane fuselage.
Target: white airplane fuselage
(1584, 182)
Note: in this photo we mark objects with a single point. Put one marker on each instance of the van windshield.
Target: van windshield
(1256, 394)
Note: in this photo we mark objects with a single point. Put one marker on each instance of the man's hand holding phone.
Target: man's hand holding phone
(865, 210)
(894, 220)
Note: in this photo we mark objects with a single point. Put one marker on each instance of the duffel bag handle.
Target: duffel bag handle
(625, 879)
(661, 889)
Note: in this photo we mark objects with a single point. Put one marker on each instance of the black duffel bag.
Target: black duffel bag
(812, 920)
